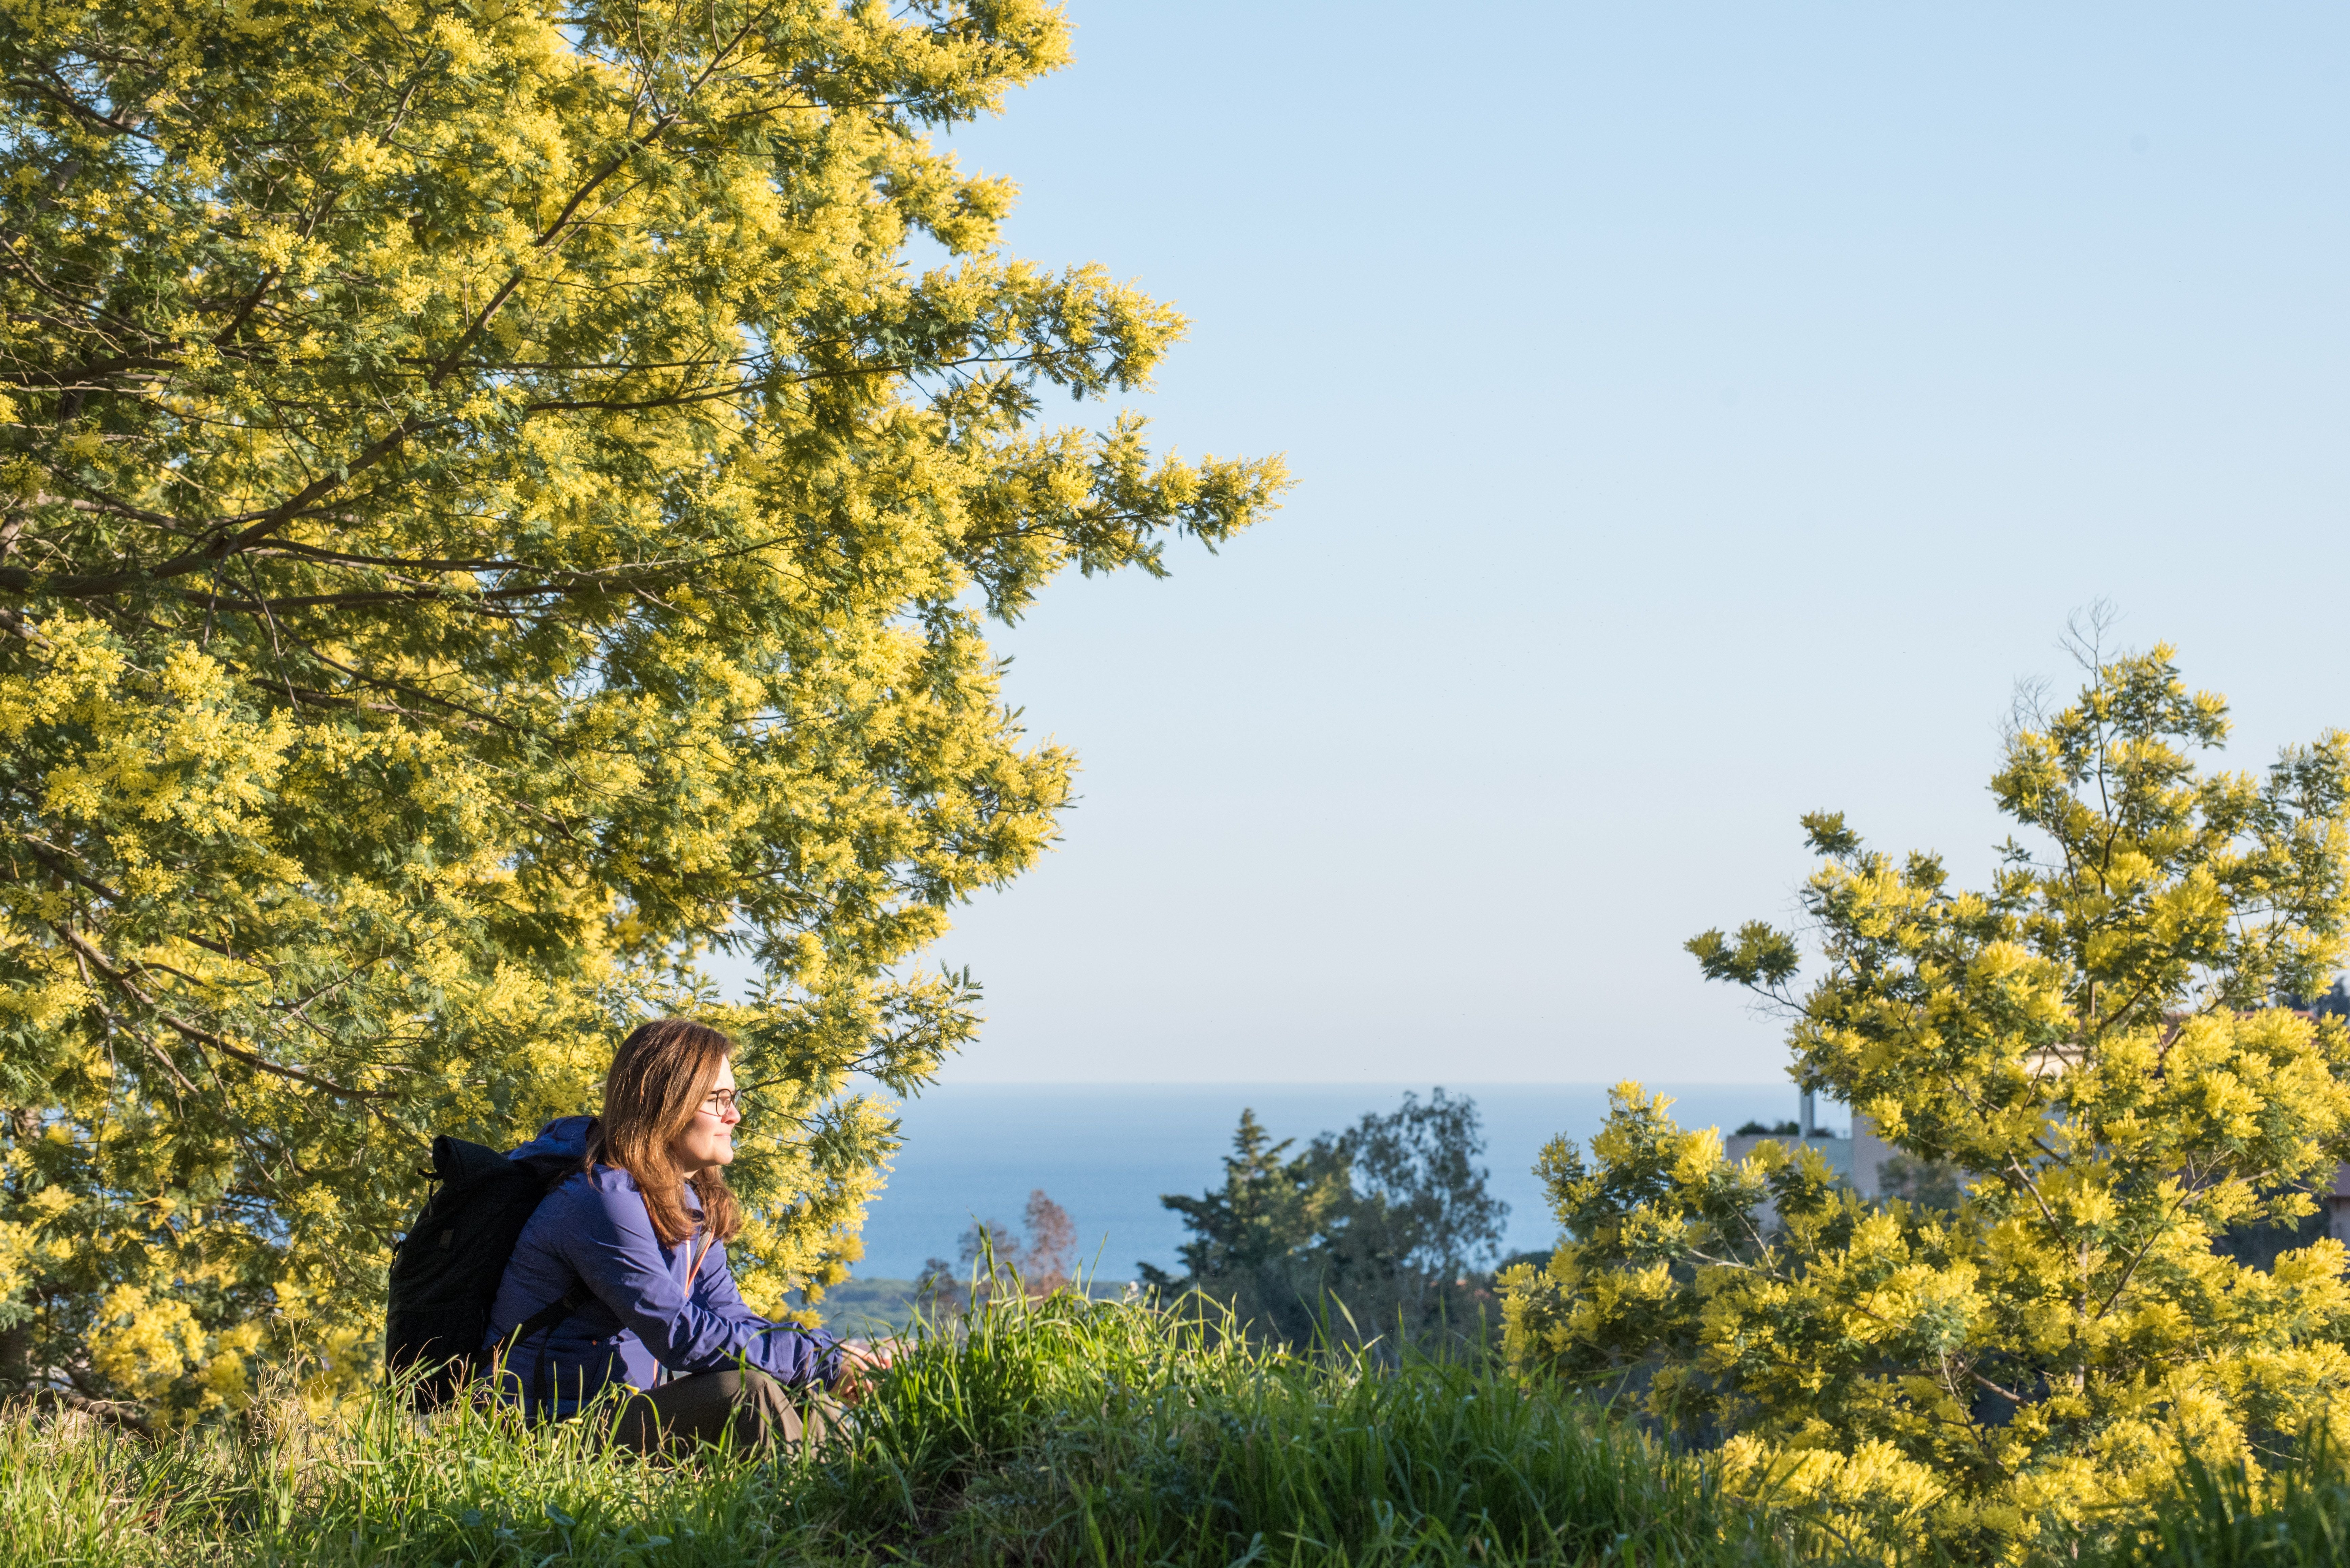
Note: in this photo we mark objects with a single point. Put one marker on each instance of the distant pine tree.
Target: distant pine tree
(1384, 1230)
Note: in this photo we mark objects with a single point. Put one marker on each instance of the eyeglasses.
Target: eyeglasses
(725, 1103)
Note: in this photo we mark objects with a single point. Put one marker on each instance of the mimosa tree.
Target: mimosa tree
(490, 508)
(2096, 1043)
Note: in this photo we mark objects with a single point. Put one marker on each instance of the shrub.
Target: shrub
(2088, 1044)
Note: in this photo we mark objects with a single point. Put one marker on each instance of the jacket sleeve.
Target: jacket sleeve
(790, 1354)
(613, 1247)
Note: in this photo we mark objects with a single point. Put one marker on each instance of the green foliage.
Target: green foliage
(1051, 1432)
(2088, 1045)
(488, 510)
(1757, 955)
(1376, 1231)
(1269, 1208)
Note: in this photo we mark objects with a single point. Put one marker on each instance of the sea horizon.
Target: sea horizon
(1107, 1150)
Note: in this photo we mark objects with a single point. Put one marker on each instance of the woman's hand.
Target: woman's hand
(859, 1364)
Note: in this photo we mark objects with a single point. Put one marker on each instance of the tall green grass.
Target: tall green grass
(1056, 1432)
(2232, 1516)
(1061, 1431)
(1118, 1435)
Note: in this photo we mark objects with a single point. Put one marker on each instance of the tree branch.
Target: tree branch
(189, 1032)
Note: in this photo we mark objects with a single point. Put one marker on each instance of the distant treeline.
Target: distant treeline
(1381, 1234)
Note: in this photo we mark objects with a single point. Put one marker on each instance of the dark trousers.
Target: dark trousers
(703, 1407)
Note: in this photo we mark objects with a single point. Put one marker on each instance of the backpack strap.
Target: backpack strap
(553, 1313)
(542, 1383)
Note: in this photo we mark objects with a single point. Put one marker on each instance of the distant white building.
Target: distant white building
(1858, 1157)
(2337, 1205)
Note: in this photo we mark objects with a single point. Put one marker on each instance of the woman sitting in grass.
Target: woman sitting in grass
(635, 1243)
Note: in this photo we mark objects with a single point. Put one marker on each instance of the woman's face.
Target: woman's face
(708, 1140)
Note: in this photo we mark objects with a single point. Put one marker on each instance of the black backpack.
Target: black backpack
(447, 1267)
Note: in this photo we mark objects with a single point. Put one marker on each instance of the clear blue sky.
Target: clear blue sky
(1702, 414)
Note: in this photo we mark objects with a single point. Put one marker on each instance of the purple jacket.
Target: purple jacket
(593, 1230)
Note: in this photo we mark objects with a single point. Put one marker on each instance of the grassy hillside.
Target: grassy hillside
(1067, 1433)
(1061, 1433)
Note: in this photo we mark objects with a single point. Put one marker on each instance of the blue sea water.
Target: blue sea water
(1106, 1152)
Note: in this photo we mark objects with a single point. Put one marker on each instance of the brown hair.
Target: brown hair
(659, 1077)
